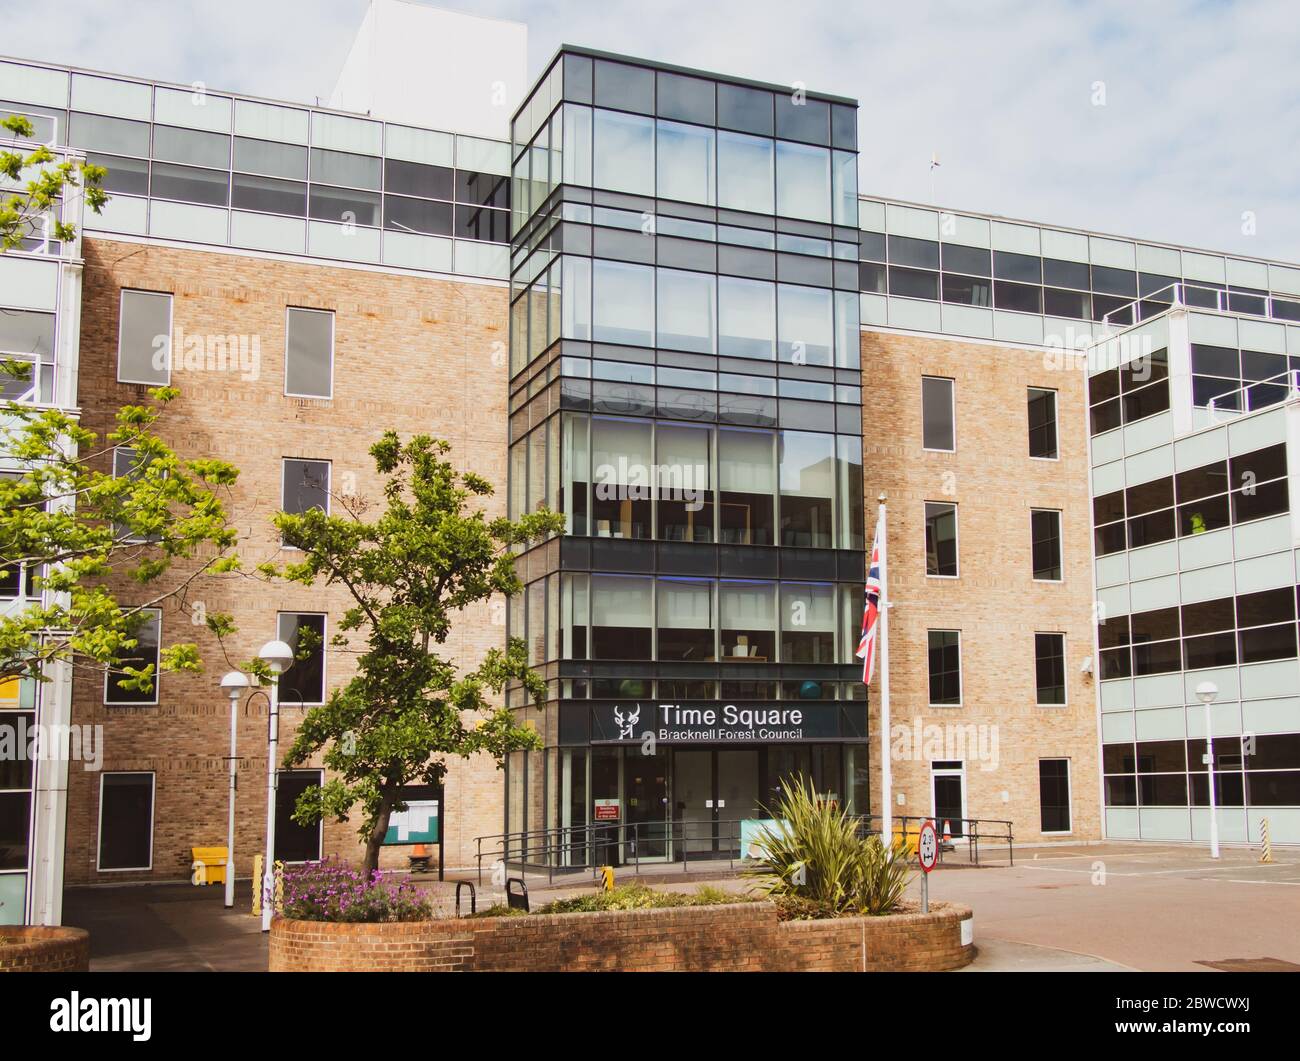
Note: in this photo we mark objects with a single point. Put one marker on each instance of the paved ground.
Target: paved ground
(1102, 908)
(1141, 906)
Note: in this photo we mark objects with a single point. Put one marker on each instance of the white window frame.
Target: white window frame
(1065, 656)
(329, 483)
(320, 822)
(956, 537)
(1069, 796)
(324, 658)
(965, 797)
(952, 402)
(1060, 539)
(157, 681)
(153, 812)
(171, 326)
(288, 312)
(133, 540)
(1056, 422)
(961, 676)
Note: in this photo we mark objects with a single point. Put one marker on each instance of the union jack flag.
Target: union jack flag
(871, 614)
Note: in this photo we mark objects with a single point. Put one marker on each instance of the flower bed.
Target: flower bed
(713, 937)
(334, 892)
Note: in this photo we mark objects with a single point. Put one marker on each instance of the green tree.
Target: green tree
(429, 553)
(69, 527)
(39, 179)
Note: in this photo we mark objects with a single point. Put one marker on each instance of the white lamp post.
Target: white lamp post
(234, 683)
(1206, 693)
(277, 656)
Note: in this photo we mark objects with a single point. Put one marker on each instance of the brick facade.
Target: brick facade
(745, 937)
(994, 601)
(417, 355)
(428, 355)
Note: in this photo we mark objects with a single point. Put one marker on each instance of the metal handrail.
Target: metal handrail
(552, 850)
(1289, 379)
(1177, 298)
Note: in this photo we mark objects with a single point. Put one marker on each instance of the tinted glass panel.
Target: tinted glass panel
(417, 215)
(412, 178)
(190, 185)
(269, 195)
(191, 146)
(275, 160)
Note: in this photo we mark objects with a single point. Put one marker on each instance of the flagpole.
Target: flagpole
(886, 779)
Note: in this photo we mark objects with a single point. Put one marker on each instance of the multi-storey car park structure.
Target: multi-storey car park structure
(654, 299)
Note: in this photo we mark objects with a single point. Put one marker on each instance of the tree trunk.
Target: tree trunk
(375, 840)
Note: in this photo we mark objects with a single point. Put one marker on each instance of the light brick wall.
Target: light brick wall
(413, 354)
(994, 601)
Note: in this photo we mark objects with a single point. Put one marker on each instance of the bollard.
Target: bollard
(607, 878)
(1265, 842)
(257, 886)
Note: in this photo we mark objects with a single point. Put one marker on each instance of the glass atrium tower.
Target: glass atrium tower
(685, 387)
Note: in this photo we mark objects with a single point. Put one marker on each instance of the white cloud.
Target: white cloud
(1201, 121)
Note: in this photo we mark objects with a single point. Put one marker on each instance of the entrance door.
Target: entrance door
(645, 782)
(693, 801)
(948, 790)
(737, 797)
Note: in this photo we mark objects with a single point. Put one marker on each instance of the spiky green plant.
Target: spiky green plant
(813, 854)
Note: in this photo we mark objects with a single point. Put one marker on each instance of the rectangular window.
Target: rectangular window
(144, 347)
(945, 667)
(685, 162)
(309, 353)
(747, 486)
(1042, 423)
(746, 318)
(746, 173)
(685, 619)
(304, 681)
(145, 653)
(1045, 527)
(126, 821)
(1054, 795)
(126, 463)
(940, 539)
(623, 303)
(938, 414)
(304, 485)
(622, 617)
(294, 842)
(747, 612)
(807, 478)
(1049, 669)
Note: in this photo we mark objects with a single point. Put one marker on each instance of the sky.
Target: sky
(1169, 120)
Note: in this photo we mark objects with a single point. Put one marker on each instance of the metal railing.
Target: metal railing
(587, 848)
(970, 832)
(1256, 394)
(584, 849)
(1194, 296)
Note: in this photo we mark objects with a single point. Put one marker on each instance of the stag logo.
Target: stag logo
(626, 723)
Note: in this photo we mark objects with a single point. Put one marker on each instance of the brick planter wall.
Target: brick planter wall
(35, 949)
(744, 937)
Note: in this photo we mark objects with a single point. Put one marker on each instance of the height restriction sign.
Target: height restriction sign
(927, 847)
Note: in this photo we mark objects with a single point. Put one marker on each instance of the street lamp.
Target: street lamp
(234, 683)
(277, 656)
(1206, 693)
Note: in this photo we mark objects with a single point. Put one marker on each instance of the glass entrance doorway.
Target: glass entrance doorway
(713, 790)
(645, 780)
